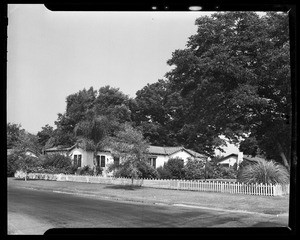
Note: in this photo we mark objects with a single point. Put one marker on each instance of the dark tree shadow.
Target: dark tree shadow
(268, 224)
(125, 187)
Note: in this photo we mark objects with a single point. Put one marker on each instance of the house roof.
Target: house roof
(245, 157)
(59, 148)
(158, 150)
(155, 150)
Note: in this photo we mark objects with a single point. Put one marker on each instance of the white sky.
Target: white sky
(54, 54)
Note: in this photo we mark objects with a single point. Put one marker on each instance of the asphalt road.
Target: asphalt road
(35, 211)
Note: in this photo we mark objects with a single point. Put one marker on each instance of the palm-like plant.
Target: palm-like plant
(266, 172)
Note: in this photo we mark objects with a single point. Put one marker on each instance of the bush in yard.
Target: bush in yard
(164, 173)
(144, 170)
(194, 169)
(175, 167)
(12, 164)
(266, 172)
(20, 161)
(147, 171)
(215, 171)
(61, 163)
(86, 170)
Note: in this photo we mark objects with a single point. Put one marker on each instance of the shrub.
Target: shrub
(163, 173)
(12, 164)
(20, 161)
(266, 172)
(175, 167)
(215, 171)
(56, 160)
(86, 170)
(194, 169)
(144, 170)
(147, 171)
(98, 170)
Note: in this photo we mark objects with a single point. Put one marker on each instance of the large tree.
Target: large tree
(235, 74)
(45, 134)
(13, 134)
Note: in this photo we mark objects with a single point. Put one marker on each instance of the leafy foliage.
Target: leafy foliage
(58, 163)
(173, 168)
(18, 160)
(266, 172)
(194, 169)
(129, 145)
(235, 76)
(215, 171)
(86, 170)
(164, 173)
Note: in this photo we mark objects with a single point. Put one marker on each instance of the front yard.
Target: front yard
(240, 202)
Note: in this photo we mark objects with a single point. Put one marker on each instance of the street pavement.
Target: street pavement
(32, 211)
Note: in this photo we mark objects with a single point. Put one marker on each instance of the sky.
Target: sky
(54, 54)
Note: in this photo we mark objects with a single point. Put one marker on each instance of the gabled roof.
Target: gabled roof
(163, 150)
(158, 150)
(59, 148)
(245, 157)
(155, 150)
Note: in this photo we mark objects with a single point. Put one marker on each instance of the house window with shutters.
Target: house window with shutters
(77, 160)
(102, 161)
(98, 160)
(152, 161)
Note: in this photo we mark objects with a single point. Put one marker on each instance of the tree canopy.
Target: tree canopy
(235, 75)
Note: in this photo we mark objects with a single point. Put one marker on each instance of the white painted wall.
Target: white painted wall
(231, 161)
(160, 160)
(86, 159)
(181, 154)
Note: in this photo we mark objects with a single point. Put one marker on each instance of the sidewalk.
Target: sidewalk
(207, 200)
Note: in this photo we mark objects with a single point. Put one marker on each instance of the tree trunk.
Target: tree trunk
(283, 157)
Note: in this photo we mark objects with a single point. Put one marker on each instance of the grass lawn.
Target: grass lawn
(250, 203)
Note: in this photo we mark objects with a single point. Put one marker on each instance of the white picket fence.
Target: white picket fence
(202, 186)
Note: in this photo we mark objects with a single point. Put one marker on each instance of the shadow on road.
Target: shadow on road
(267, 224)
(125, 187)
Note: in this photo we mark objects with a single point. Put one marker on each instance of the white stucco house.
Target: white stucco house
(231, 159)
(157, 156)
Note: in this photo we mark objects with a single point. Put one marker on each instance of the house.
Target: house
(157, 156)
(28, 152)
(231, 159)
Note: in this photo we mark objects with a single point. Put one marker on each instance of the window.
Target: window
(102, 161)
(152, 161)
(98, 160)
(77, 160)
(116, 161)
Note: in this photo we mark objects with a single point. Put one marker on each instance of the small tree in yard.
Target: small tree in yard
(130, 146)
(20, 161)
(194, 169)
(163, 172)
(175, 166)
